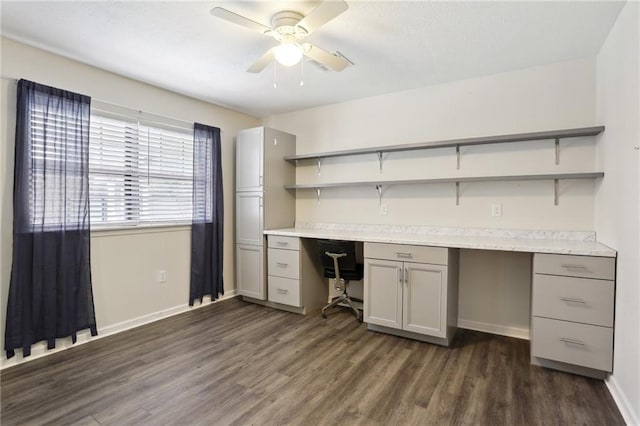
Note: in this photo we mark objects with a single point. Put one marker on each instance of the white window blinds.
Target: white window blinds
(56, 156)
(139, 173)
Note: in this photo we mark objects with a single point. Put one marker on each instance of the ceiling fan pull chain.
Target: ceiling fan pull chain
(275, 74)
(302, 73)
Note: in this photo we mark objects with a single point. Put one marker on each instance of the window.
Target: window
(57, 162)
(139, 173)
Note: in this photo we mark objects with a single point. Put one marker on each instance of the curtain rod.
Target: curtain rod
(15, 81)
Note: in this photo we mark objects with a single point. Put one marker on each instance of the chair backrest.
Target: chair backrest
(346, 263)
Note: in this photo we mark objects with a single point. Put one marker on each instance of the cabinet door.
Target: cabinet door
(383, 293)
(249, 218)
(249, 159)
(424, 309)
(250, 272)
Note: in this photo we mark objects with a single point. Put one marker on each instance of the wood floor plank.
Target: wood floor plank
(236, 363)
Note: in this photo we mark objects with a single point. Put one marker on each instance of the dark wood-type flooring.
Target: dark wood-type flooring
(237, 363)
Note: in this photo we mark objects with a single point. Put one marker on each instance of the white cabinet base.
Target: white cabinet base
(408, 298)
(569, 368)
(274, 305)
(415, 336)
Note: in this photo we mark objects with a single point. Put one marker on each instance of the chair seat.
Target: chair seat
(346, 275)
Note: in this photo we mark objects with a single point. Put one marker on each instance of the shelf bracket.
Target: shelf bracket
(380, 159)
(318, 195)
(379, 189)
(555, 192)
(319, 162)
(458, 157)
(457, 193)
(557, 152)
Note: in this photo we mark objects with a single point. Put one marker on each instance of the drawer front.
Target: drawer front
(404, 252)
(578, 344)
(289, 243)
(285, 291)
(573, 299)
(575, 266)
(283, 263)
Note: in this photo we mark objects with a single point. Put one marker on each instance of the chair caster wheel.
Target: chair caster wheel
(324, 316)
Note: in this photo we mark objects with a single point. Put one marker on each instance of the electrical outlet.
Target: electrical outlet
(162, 276)
(384, 209)
(496, 210)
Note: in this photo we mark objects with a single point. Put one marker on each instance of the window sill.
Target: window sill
(144, 229)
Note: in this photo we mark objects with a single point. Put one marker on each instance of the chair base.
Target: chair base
(343, 298)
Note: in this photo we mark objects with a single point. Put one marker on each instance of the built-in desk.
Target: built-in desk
(573, 285)
(553, 242)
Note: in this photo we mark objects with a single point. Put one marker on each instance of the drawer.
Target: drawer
(285, 291)
(283, 263)
(404, 252)
(575, 266)
(573, 299)
(289, 243)
(578, 344)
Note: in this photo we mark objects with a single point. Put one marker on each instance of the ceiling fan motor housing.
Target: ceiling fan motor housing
(284, 25)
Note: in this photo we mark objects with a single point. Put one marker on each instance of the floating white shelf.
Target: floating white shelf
(380, 184)
(484, 140)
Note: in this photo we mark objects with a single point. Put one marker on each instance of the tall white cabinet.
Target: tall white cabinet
(261, 202)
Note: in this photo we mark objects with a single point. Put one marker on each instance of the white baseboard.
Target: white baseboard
(630, 417)
(502, 330)
(39, 349)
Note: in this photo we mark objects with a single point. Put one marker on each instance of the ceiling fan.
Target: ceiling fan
(289, 28)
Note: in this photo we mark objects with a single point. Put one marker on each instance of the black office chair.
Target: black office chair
(338, 259)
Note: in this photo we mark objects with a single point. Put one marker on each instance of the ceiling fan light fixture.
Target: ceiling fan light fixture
(288, 53)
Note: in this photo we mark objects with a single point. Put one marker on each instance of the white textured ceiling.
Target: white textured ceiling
(395, 45)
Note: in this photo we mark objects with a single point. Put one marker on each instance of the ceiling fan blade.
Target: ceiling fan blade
(329, 60)
(322, 14)
(261, 63)
(227, 15)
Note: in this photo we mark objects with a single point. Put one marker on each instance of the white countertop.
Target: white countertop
(556, 242)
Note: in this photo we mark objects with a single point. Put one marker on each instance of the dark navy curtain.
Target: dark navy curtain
(50, 293)
(208, 215)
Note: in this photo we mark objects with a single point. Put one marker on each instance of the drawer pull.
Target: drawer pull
(282, 265)
(572, 341)
(573, 266)
(282, 243)
(404, 255)
(572, 300)
(282, 290)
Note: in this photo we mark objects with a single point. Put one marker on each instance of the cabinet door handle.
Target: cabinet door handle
(282, 243)
(259, 180)
(572, 341)
(282, 291)
(282, 265)
(573, 266)
(573, 300)
(404, 255)
(406, 276)
(401, 275)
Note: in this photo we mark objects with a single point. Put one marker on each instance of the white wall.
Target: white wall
(495, 286)
(124, 263)
(617, 201)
